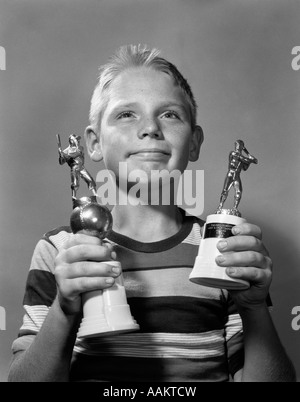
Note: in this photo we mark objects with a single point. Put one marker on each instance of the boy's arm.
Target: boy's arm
(246, 258)
(78, 269)
(48, 358)
(265, 358)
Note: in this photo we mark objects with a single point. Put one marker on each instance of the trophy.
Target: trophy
(104, 311)
(218, 226)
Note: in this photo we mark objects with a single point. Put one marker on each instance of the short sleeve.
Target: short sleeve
(40, 293)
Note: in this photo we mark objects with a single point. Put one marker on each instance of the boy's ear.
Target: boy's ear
(195, 145)
(92, 140)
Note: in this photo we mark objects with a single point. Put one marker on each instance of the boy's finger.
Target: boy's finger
(243, 259)
(241, 243)
(79, 238)
(92, 269)
(247, 229)
(250, 274)
(87, 252)
(86, 284)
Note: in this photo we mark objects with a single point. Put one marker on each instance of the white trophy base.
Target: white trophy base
(106, 311)
(206, 272)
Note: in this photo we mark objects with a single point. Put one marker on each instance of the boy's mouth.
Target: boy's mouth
(150, 155)
(150, 152)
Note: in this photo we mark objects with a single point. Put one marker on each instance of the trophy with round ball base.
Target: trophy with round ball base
(219, 226)
(104, 311)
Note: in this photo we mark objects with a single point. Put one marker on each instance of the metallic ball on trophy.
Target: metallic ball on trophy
(219, 225)
(104, 311)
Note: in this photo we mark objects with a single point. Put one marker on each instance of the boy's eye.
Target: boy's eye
(170, 114)
(125, 115)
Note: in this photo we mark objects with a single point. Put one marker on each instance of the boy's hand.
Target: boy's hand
(247, 258)
(79, 268)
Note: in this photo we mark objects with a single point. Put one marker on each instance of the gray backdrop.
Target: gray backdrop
(237, 57)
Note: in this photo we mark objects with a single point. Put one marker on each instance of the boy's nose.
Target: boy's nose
(150, 128)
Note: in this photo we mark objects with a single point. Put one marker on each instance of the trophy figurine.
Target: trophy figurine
(218, 225)
(104, 311)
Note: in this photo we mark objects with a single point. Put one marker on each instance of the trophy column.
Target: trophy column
(219, 225)
(104, 311)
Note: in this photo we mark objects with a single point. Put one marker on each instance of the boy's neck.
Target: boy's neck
(146, 223)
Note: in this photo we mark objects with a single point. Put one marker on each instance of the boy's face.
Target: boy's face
(147, 124)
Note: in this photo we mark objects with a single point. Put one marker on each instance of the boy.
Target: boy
(143, 113)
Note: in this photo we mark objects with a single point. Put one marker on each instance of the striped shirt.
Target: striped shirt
(187, 332)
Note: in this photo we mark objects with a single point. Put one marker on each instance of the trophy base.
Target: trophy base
(106, 311)
(206, 272)
(99, 325)
(213, 276)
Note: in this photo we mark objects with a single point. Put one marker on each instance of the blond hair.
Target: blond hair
(135, 56)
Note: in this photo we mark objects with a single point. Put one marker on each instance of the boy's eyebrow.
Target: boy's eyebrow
(173, 104)
(163, 105)
(122, 104)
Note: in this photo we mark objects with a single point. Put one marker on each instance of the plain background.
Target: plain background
(236, 56)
